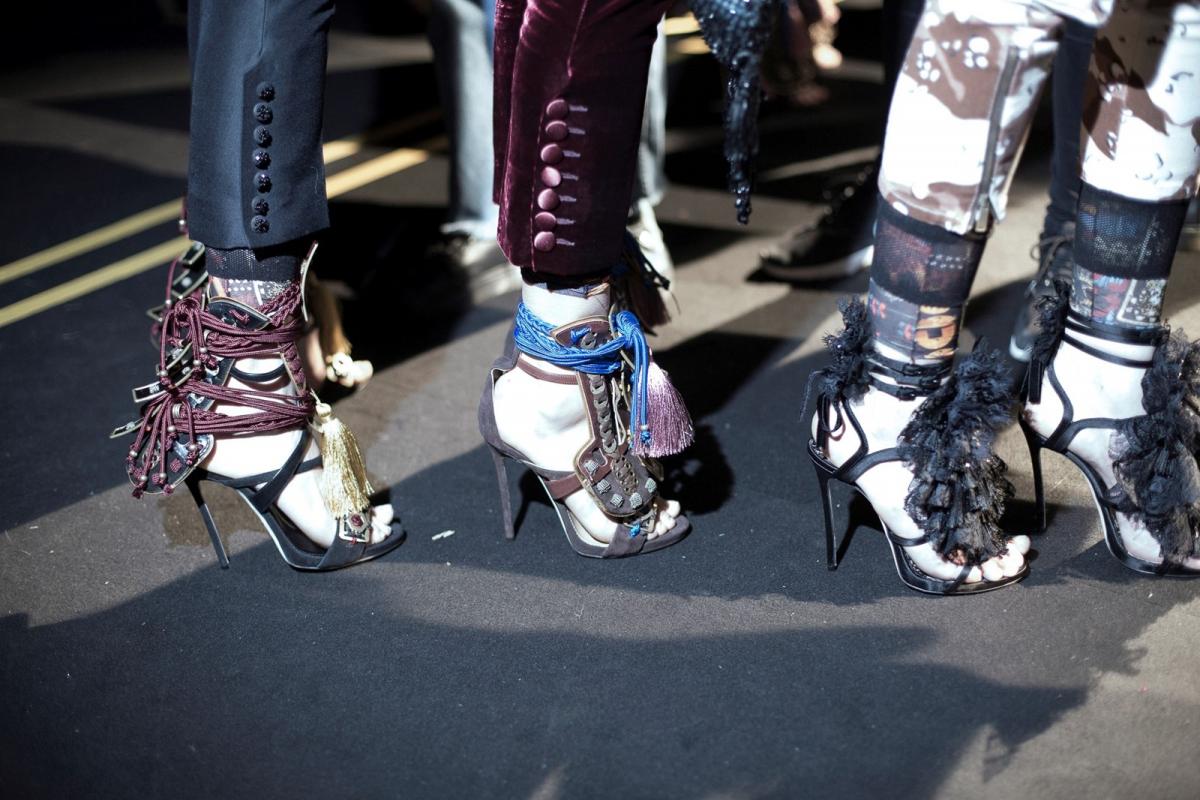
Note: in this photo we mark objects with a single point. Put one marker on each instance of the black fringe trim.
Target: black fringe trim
(1154, 456)
(1052, 321)
(959, 484)
(845, 377)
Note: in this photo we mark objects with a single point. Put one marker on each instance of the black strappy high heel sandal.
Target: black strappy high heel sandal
(1155, 453)
(958, 487)
(623, 484)
(201, 344)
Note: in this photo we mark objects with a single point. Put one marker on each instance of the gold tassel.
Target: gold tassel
(344, 484)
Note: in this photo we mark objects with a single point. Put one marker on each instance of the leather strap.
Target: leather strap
(265, 497)
(1115, 333)
(529, 368)
(911, 380)
(1141, 363)
(852, 470)
(260, 377)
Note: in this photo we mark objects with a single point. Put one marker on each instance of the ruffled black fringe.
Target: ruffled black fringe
(1052, 321)
(845, 377)
(1154, 456)
(737, 32)
(959, 484)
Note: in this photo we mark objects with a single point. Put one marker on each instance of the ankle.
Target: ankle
(559, 306)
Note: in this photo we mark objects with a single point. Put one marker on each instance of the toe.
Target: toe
(974, 576)
(1011, 562)
(992, 570)
(1019, 544)
(381, 522)
(383, 514)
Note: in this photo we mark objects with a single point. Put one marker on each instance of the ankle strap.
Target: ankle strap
(911, 380)
(1077, 323)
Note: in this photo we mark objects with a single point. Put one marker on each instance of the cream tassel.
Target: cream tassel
(344, 484)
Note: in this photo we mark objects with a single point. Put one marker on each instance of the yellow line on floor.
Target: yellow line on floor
(144, 220)
(345, 181)
(369, 171)
(679, 26)
(64, 292)
(90, 241)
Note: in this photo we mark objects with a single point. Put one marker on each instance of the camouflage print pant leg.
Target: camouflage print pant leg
(972, 78)
(962, 107)
(1141, 112)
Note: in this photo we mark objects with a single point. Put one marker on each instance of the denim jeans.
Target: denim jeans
(460, 33)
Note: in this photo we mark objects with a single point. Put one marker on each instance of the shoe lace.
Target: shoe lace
(1045, 252)
(839, 194)
(187, 321)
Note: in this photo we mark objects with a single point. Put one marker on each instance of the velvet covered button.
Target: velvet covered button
(262, 136)
(263, 181)
(261, 206)
(557, 109)
(266, 91)
(552, 154)
(557, 130)
(260, 224)
(551, 177)
(262, 113)
(545, 221)
(544, 242)
(547, 200)
(262, 159)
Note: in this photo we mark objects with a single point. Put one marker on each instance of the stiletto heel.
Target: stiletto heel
(823, 476)
(1035, 460)
(1148, 451)
(505, 493)
(193, 484)
(965, 487)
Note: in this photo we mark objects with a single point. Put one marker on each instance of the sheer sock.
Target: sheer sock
(920, 280)
(254, 277)
(1123, 254)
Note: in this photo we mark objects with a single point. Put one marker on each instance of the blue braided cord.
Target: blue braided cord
(630, 329)
(635, 529)
(532, 336)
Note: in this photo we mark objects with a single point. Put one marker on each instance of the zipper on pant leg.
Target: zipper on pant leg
(982, 214)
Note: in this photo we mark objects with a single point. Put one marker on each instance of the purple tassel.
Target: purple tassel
(670, 425)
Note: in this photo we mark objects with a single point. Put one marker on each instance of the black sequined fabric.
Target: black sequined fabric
(737, 32)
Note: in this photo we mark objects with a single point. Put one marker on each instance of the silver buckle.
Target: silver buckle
(355, 527)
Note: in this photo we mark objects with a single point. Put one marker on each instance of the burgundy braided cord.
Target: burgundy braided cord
(187, 320)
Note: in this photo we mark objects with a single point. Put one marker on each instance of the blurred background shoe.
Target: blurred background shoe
(324, 348)
(643, 226)
(476, 263)
(1054, 255)
(840, 244)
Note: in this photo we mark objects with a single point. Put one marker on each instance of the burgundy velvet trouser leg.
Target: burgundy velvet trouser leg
(570, 86)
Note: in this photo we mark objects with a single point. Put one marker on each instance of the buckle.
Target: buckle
(355, 527)
(126, 429)
(194, 251)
